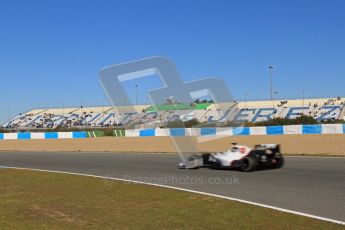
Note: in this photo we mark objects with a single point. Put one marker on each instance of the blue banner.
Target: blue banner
(24, 136)
(241, 131)
(147, 133)
(275, 130)
(311, 129)
(208, 131)
(79, 135)
(52, 135)
(177, 132)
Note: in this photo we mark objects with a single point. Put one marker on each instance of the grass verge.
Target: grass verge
(39, 200)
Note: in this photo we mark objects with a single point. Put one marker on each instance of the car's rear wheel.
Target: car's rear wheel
(279, 163)
(249, 164)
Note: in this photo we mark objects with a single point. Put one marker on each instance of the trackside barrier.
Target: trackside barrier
(51, 135)
(181, 132)
(79, 135)
(257, 130)
(24, 136)
(223, 131)
(64, 135)
(95, 134)
(10, 136)
(119, 133)
(312, 129)
(177, 132)
(242, 131)
(193, 132)
(275, 130)
(132, 133)
(292, 129)
(48, 135)
(37, 135)
(162, 132)
(147, 133)
(208, 131)
(333, 128)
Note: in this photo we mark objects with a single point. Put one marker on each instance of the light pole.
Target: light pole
(303, 99)
(103, 103)
(9, 117)
(136, 94)
(271, 67)
(146, 99)
(63, 109)
(9, 112)
(303, 96)
(245, 100)
(275, 97)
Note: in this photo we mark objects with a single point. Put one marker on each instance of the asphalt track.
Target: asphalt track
(312, 185)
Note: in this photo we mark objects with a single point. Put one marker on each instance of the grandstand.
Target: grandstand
(156, 116)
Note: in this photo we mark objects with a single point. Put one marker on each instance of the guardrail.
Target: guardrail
(227, 131)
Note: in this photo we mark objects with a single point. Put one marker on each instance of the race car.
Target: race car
(264, 156)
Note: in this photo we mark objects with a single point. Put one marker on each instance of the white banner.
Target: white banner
(258, 131)
(223, 131)
(332, 129)
(162, 132)
(192, 132)
(132, 133)
(65, 135)
(293, 129)
(10, 136)
(37, 135)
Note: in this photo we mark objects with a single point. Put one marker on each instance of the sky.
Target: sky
(51, 50)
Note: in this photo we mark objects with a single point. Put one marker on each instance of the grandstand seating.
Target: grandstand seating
(155, 116)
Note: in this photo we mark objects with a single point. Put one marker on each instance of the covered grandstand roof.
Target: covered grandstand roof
(180, 106)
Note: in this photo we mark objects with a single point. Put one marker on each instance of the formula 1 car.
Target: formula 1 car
(264, 156)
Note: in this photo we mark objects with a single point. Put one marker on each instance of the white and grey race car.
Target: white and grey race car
(264, 156)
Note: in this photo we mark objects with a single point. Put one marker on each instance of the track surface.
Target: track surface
(312, 185)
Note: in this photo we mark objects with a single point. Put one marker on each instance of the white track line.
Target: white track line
(324, 157)
(188, 190)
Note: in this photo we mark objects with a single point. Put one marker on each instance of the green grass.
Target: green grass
(39, 200)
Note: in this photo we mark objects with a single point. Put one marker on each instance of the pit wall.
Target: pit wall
(181, 132)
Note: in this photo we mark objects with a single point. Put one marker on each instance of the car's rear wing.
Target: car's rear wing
(275, 148)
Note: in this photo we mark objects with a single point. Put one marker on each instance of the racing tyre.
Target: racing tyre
(214, 165)
(279, 164)
(249, 164)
